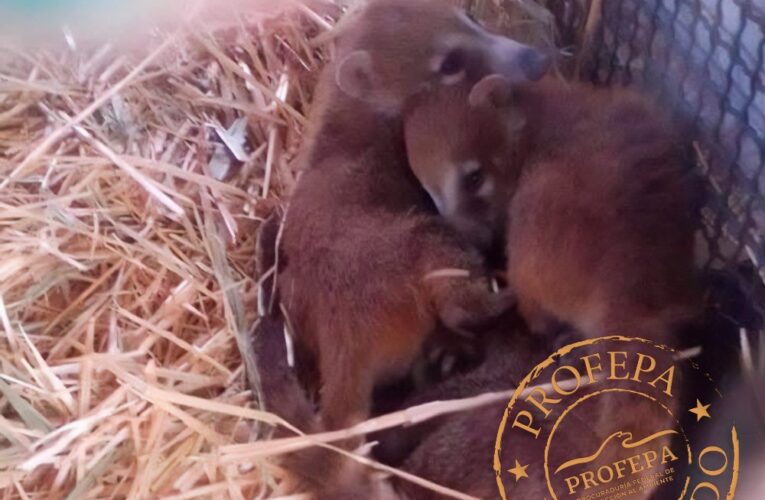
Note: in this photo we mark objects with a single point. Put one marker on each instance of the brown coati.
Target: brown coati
(588, 188)
(362, 247)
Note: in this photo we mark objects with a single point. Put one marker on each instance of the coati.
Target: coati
(361, 246)
(453, 451)
(588, 190)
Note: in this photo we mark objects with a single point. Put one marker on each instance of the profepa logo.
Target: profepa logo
(601, 419)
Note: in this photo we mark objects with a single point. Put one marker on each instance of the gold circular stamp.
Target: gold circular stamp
(616, 417)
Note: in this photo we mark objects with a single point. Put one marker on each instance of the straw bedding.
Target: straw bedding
(133, 177)
(134, 173)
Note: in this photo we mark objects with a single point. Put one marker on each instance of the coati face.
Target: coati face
(398, 48)
(462, 143)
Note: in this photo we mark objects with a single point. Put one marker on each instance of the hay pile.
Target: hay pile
(132, 182)
(133, 178)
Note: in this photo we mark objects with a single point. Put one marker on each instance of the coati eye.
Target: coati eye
(472, 181)
(453, 63)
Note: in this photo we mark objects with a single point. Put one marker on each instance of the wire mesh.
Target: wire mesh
(704, 57)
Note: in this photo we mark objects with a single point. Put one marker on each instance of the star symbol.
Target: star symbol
(700, 411)
(519, 471)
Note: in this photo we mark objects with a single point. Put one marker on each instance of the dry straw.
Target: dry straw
(133, 178)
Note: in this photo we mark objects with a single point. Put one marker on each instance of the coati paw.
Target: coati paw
(456, 357)
(444, 355)
(480, 315)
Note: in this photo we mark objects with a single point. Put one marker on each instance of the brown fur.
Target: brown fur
(602, 206)
(322, 472)
(509, 353)
(359, 235)
(454, 451)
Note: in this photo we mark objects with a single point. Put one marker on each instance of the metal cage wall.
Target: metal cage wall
(705, 58)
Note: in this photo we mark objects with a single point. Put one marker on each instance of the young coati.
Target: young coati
(453, 451)
(590, 187)
(325, 475)
(321, 472)
(361, 248)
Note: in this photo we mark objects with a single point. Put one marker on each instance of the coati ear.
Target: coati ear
(494, 91)
(355, 76)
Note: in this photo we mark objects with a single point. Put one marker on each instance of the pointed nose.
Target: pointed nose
(534, 63)
(517, 62)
